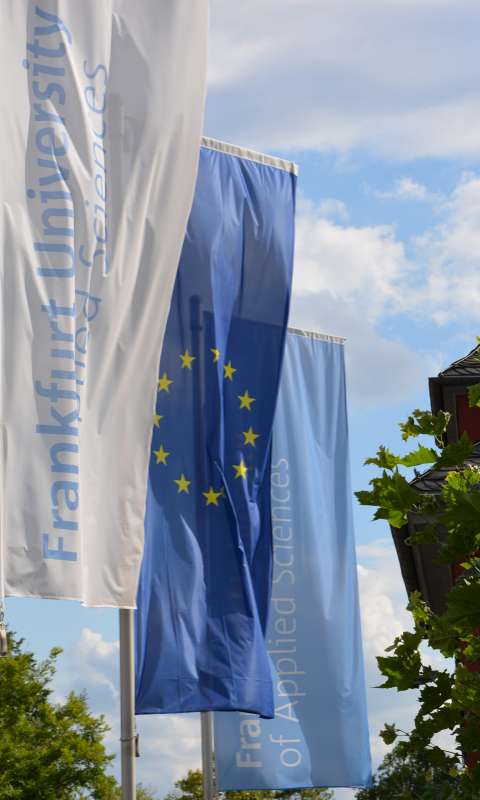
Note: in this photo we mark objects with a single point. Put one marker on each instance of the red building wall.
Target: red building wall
(468, 419)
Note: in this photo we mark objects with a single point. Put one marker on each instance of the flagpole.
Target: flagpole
(207, 755)
(127, 704)
(206, 717)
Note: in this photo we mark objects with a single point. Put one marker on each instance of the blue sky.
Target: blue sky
(378, 103)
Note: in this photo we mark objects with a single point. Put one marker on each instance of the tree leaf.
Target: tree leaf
(454, 454)
(384, 459)
(449, 700)
(474, 395)
(422, 455)
(389, 733)
(425, 423)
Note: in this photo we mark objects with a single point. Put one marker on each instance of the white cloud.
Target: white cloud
(92, 663)
(384, 616)
(382, 597)
(377, 548)
(399, 78)
(169, 745)
(408, 189)
(365, 266)
(449, 257)
(368, 269)
(346, 279)
(334, 209)
(380, 371)
(351, 280)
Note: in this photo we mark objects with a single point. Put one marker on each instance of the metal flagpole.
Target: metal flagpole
(3, 630)
(127, 704)
(207, 755)
(198, 334)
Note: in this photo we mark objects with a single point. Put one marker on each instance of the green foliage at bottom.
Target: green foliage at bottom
(449, 697)
(406, 775)
(49, 751)
(191, 788)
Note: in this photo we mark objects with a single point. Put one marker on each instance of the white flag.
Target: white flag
(101, 109)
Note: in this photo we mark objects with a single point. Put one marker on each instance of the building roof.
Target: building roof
(430, 481)
(452, 381)
(466, 367)
(420, 567)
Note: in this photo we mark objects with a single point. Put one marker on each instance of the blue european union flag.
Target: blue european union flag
(205, 584)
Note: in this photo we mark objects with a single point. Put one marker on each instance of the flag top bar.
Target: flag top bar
(251, 155)
(323, 337)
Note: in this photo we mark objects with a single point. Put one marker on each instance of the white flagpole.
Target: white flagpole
(127, 704)
(207, 755)
(3, 630)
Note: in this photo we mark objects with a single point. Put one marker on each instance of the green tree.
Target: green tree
(144, 793)
(406, 775)
(449, 700)
(191, 788)
(49, 751)
(188, 788)
(303, 794)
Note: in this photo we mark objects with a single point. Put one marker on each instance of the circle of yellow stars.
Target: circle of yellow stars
(212, 496)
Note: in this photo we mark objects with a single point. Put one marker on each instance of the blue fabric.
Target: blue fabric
(319, 736)
(206, 578)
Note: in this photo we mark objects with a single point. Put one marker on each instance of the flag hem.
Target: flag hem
(82, 601)
(223, 788)
(323, 337)
(250, 155)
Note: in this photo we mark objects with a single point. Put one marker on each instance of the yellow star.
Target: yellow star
(162, 455)
(212, 496)
(216, 354)
(228, 371)
(240, 469)
(187, 360)
(156, 419)
(164, 382)
(250, 436)
(183, 484)
(245, 400)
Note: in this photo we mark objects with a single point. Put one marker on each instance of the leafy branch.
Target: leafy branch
(449, 701)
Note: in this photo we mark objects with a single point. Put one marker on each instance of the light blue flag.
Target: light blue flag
(319, 736)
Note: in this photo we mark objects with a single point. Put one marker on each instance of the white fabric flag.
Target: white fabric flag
(101, 108)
